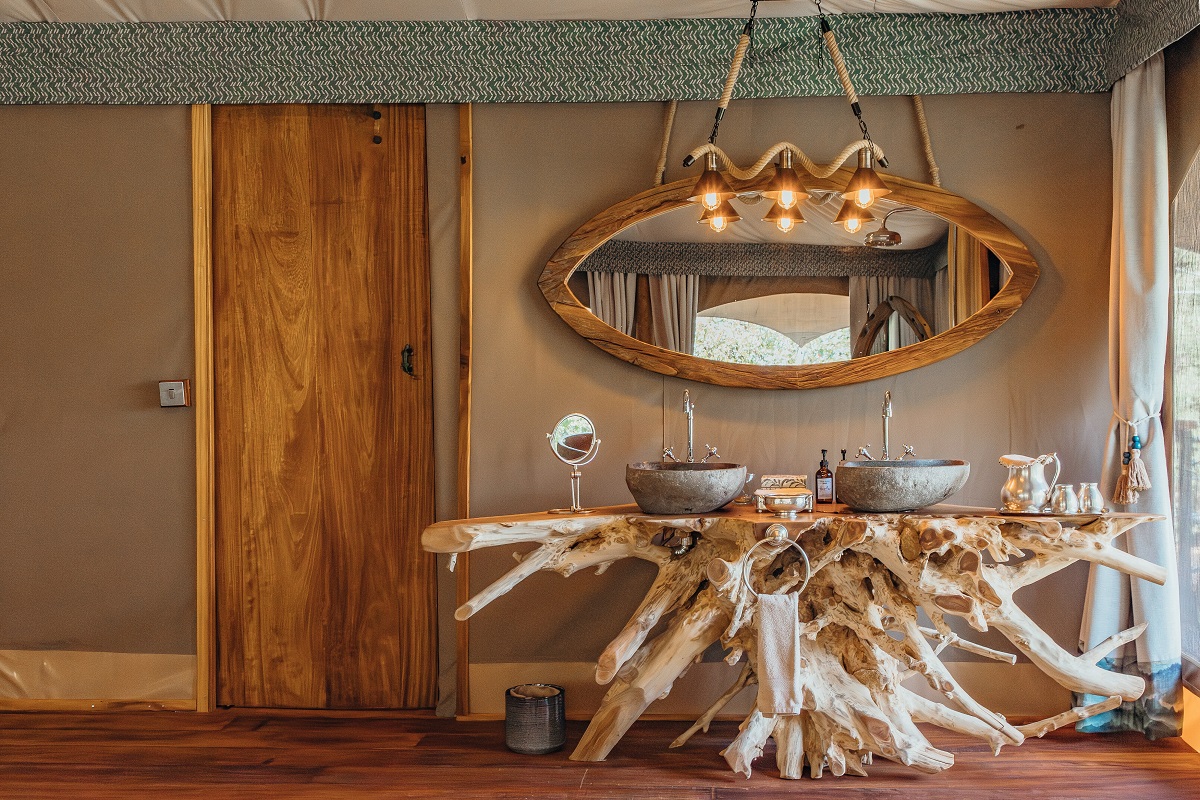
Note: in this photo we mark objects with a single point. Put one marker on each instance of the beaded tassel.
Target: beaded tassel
(1139, 476)
(1122, 494)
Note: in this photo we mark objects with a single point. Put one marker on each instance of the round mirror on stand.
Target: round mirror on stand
(574, 443)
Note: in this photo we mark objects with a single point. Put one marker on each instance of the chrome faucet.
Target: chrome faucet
(688, 408)
(887, 415)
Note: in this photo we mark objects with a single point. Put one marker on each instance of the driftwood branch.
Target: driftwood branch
(857, 619)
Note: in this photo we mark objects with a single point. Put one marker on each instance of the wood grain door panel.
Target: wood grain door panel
(323, 444)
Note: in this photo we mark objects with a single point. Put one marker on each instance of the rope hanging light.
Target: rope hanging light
(713, 190)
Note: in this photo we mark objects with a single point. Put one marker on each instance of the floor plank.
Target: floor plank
(257, 754)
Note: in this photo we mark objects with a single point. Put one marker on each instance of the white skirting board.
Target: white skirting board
(1021, 690)
(80, 675)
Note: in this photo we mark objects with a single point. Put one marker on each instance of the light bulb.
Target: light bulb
(852, 225)
(863, 198)
(786, 224)
(711, 201)
(787, 198)
(718, 224)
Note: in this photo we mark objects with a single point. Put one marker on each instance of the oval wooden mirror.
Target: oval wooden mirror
(756, 307)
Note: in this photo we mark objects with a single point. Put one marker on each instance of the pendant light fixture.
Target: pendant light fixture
(865, 186)
(711, 189)
(784, 218)
(852, 217)
(720, 217)
(785, 188)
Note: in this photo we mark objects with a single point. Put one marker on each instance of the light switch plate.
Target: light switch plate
(175, 393)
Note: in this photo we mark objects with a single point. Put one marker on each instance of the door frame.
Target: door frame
(202, 395)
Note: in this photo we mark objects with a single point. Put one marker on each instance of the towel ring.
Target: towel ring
(777, 534)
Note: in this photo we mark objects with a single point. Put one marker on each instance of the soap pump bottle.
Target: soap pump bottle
(824, 480)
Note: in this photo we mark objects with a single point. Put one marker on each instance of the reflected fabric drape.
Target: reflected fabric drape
(674, 302)
(1139, 299)
(612, 296)
(868, 292)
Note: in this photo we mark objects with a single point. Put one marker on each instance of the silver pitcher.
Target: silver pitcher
(1026, 488)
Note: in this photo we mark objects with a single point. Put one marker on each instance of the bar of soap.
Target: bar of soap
(784, 482)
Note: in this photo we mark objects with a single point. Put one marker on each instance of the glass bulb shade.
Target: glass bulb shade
(785, 187)
(865, 186)
(852, 216)
(719, 218)
(711, 188)
(784, 218)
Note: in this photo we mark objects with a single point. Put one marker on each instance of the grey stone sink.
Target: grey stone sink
(887, 486)
(670, 487)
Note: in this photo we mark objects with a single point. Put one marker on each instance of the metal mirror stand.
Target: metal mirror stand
(574, 443)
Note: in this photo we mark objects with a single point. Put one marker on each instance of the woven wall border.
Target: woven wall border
(1059, 50)
(1051, 50)
(768, 260)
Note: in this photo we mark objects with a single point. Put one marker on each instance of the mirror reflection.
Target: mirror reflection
(573, 439)
(754, 294)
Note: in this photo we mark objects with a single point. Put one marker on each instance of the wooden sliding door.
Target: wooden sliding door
(324, 455)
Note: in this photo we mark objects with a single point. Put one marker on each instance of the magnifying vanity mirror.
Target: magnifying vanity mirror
(573, 441)
(817, 305)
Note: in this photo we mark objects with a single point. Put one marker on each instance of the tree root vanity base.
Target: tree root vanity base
(860, 636)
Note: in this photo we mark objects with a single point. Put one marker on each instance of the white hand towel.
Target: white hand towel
(780, 686)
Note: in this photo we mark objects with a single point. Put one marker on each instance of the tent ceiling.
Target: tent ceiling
(416, 10)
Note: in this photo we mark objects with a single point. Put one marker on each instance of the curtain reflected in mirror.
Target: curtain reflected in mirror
(817, 295)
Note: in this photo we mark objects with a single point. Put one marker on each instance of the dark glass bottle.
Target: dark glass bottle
(824, 480)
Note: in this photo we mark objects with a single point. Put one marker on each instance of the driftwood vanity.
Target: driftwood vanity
(860, 636)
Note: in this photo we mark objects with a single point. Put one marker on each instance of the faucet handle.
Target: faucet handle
(669, 453)
(862, 452)
(711, 452)
(908, 451)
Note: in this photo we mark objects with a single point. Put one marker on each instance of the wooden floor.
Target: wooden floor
(246, 754)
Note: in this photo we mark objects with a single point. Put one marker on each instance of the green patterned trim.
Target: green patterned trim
(1061, 50)
(1146, 26)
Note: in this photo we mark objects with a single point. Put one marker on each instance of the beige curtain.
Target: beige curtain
(868, 292)
(1139, 303)
(968, 274)
(612, 296)
(674, 301)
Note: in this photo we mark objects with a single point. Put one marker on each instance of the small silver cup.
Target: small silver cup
(1090, 499)
(1063, 499)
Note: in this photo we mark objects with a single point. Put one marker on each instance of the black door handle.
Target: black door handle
(406, 360)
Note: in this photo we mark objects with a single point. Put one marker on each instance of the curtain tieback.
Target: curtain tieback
(1135, 478)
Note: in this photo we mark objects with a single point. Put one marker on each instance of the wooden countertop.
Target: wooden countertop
(439, 536)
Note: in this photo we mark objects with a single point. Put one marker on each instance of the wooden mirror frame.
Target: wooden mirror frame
(661, 199)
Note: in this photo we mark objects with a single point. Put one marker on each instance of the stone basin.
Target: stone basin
(670, 487)
(889, 486)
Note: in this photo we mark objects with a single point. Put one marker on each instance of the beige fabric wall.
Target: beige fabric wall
(1041, 163)
(97, 483)
(96, 497)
